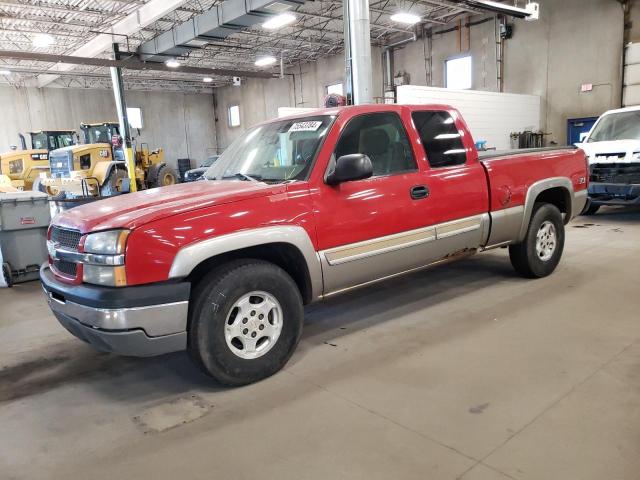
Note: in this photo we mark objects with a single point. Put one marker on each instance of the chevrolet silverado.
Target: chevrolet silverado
(296, 210)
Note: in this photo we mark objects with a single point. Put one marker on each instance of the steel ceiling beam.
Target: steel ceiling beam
(132, 23)
(68, 60)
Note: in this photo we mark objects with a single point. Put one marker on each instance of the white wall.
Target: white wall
(180, 123)
(491, 116)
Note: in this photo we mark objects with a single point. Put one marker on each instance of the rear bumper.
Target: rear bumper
(614, 194)
(135, 321)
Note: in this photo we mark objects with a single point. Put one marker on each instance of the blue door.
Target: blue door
(577, 128)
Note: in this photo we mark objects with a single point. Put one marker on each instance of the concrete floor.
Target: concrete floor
(466, 371)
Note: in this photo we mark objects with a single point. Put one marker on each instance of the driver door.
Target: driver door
(371, 228)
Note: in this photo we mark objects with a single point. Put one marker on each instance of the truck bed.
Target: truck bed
(490, 154)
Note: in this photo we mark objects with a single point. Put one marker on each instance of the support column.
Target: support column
(358, 51)
(125, 130)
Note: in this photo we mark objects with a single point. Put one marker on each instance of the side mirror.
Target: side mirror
(355, 166)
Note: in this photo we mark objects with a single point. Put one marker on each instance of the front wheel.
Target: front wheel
(539, 253)
(245, 322)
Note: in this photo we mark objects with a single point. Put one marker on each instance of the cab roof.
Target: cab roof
(51, 131)
(99, 124)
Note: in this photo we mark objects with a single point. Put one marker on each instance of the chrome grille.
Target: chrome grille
(66, 238)
(625, 173)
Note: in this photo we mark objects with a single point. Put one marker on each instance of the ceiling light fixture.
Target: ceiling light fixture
(172, 63)
(279, 21)
(207, 79)
(5, 72)
(406, 18)
(264, 61)
(43, 40)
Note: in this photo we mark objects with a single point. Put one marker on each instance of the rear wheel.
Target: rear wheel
(591, 210)
(245, 322)
(539, 254)
(164, 176)
(113, 185)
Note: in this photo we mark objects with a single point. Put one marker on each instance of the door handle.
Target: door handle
(419, 191)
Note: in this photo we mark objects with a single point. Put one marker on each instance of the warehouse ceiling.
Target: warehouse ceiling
(85, 27)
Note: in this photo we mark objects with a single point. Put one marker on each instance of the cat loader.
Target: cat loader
(97, 168)
(24, 166)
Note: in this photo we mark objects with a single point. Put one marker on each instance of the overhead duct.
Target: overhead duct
(216, 24)
(531, 11)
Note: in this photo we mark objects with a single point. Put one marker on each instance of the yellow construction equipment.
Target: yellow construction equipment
(24, 166)
(98, 167)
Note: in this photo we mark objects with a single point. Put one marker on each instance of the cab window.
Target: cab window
(440, 138)
(382, 137)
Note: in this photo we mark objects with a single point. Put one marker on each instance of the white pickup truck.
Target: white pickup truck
(613, 149)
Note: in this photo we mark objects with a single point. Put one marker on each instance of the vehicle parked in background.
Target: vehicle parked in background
(24, 166)
(196, 173)
(613, 149)
(297, 210)
(98, 167)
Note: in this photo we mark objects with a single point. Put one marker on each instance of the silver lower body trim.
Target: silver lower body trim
(154, 320)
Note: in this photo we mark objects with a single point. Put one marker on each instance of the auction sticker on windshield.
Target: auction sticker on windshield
(305, 126)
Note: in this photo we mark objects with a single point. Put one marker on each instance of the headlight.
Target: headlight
(111, 242)
(104, 275)
(104, 258)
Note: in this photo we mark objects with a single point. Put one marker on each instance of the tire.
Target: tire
(527, 258)
(110, 187)
(163, 176)
(215, 312)
(6, 273)
(591, 210)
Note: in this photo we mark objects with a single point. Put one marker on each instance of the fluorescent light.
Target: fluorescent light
(5, 72)
(404, 17)
(264, 61)
(172, 63)
(279, 21)
(207, 79)
(43, 40)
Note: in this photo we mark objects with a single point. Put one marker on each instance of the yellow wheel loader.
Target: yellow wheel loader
(23, 167)
(98, 167)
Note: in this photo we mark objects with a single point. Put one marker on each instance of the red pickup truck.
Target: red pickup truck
(296, 210)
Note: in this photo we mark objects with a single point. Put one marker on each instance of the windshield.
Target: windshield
(99, 134)
(273, 152)
(209, 161)
(617, 126)
(51, 141)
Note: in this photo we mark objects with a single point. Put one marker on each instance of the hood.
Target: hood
(81, 148)
(132, 210)
(618, 151)
(22, 153)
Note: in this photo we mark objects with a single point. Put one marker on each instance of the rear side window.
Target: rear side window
(440, 138)
(382, 137)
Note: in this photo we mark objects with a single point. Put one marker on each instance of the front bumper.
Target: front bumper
(139, 321)
(614, 194)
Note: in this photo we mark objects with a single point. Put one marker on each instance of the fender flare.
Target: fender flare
(190, 256)
(535, 190)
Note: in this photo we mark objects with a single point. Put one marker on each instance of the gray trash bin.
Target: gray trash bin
(24, 219)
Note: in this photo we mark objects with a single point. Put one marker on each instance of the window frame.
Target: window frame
(229, 124)
(424, 148)
(458, 57)
(333, 157)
